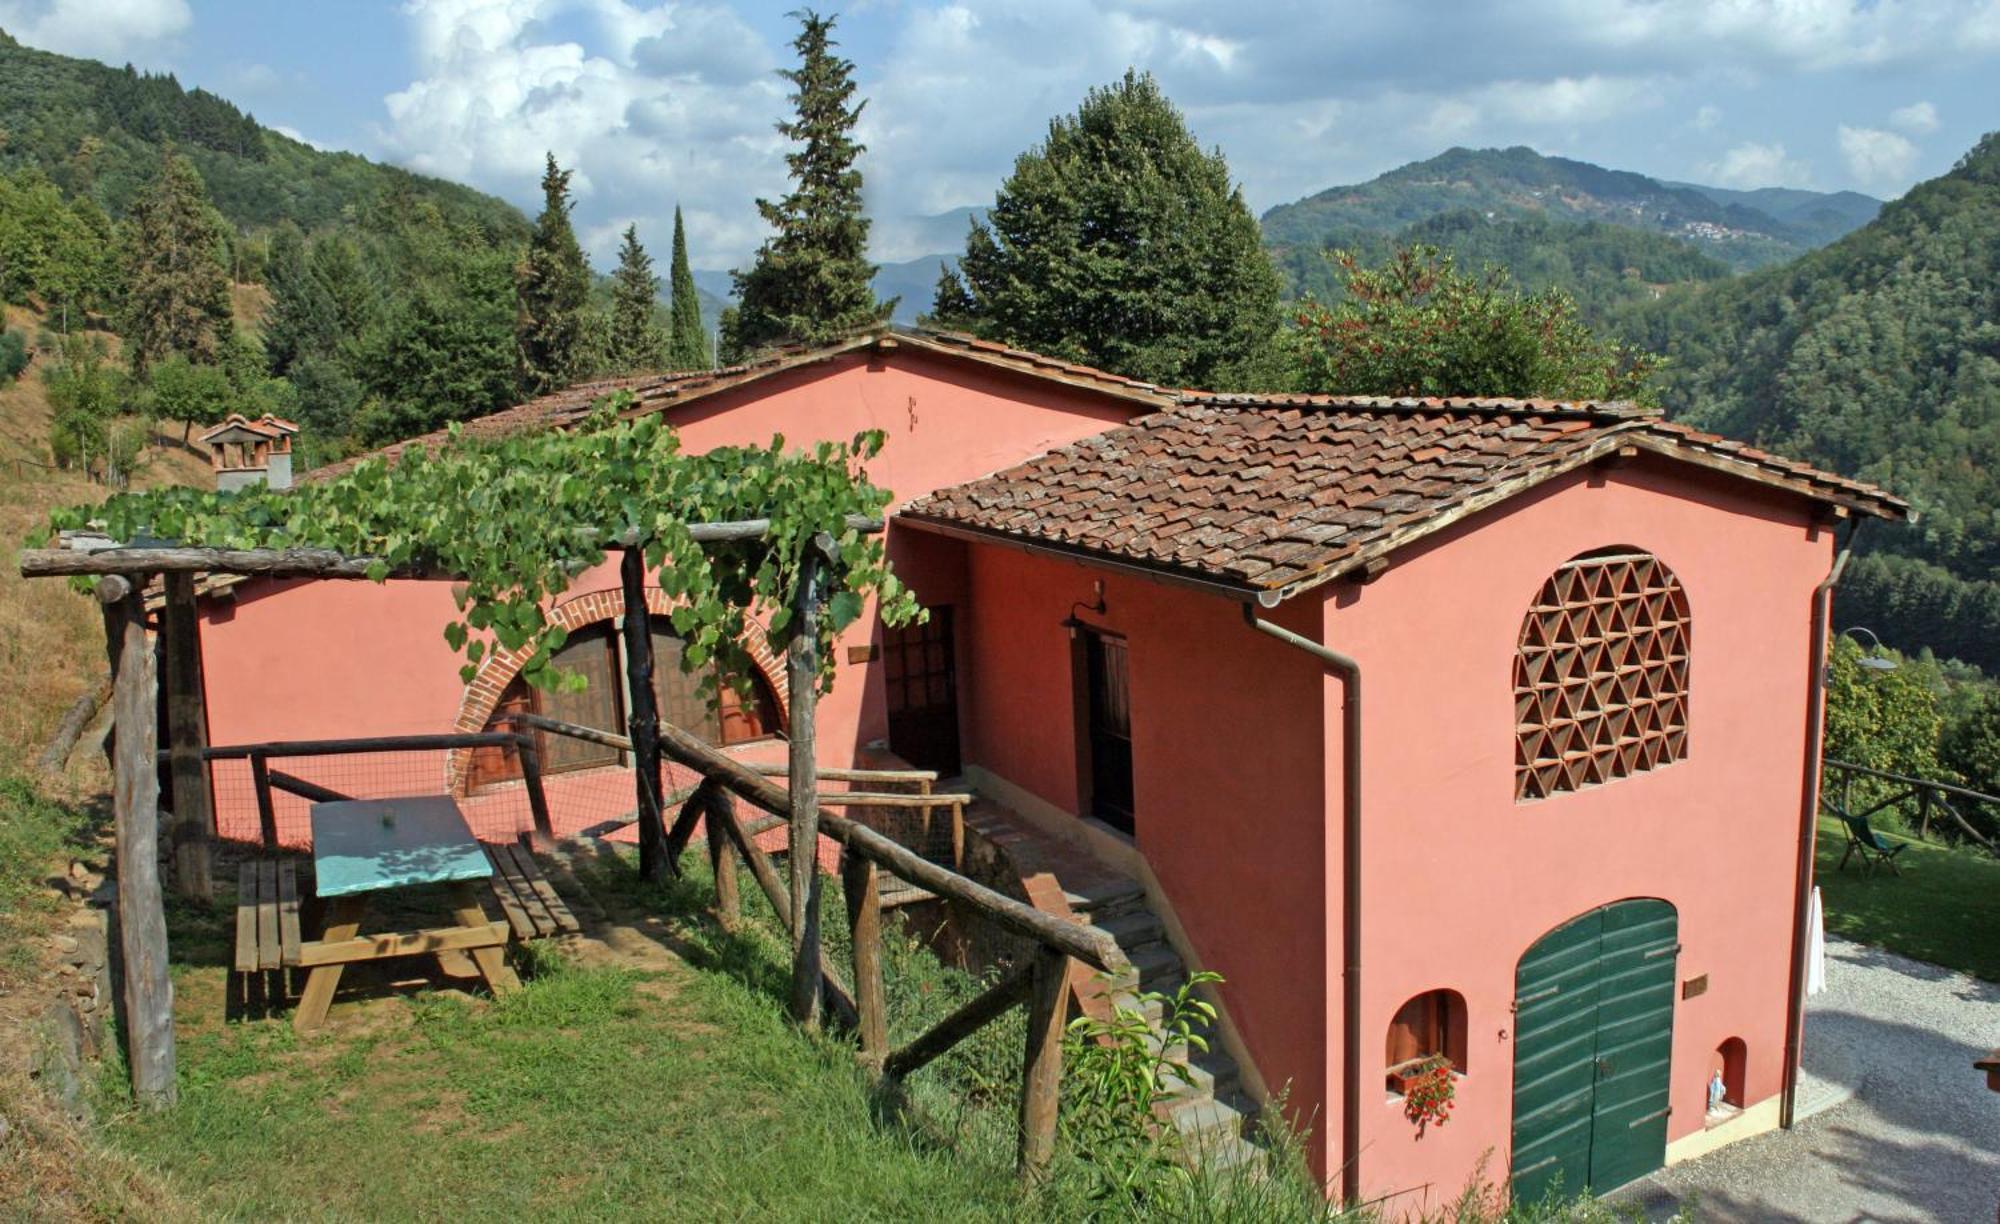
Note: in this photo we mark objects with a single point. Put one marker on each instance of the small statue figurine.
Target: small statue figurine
(1716, 1091)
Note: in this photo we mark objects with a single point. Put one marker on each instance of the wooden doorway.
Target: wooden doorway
(1108, 729)
(920, 674)
(1593, 1050)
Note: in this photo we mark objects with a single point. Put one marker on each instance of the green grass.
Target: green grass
(36, 836)
(593, 1092)
(1944, 908)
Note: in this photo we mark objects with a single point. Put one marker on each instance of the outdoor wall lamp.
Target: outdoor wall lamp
(1876, 659)
(1075, 626)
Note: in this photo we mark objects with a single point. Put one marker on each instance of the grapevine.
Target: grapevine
(518, 519)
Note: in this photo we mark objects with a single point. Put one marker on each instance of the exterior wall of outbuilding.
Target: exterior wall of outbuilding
(296, 660)
(1460, 879)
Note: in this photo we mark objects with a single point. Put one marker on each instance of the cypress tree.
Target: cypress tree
(951, 306)
(810, 280)
(552, 292)
(687, 343)
(176, 289)
(1119, 243)
(635, 342)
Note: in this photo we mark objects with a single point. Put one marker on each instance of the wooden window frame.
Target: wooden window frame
(1428, 1024)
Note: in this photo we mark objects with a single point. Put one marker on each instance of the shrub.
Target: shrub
(13, 355)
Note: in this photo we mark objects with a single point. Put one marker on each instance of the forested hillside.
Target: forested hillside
(1598, 263)
(392, 297)
(97, 132)
(1879, 357)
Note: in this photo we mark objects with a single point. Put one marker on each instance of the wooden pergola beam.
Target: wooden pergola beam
(113, 558)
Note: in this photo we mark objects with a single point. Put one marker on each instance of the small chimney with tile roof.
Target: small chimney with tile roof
(244, 452)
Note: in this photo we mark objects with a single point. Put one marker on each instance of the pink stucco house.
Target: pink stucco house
(1563, 844)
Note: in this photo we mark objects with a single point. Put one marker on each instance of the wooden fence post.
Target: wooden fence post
(728, 905)
(142, 915)
(802, 679)
(644, 720)
(267, 812)
(1041, 1073)
(861, 881)
(192, 832)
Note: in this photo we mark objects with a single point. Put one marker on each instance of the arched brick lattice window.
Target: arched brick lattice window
(1601, 675)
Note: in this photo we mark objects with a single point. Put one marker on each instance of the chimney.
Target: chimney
(244, 452)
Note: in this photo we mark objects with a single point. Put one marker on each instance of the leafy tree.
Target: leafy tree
(13, 355)
(85, 394)
(810, 280)
(636, 342)
(1888, 720)
(552, 286)
(1419, 326)
(176, 291)
(1971, 747)
(1118, 242)
(687, 342)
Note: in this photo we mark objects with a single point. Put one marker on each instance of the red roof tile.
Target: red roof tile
(1276, 493)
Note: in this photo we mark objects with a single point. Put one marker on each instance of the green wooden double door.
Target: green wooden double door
(1593, 1047)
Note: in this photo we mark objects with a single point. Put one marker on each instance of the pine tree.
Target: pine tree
(552, 292)
(951, 306)
(1119, 243)
(635, 342)
(810, 281)
(176, 289)
(687, 343)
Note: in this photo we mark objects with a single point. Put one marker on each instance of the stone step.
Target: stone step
(1160, 968)
(1225, 1155)
(1204, 1120)
(1133, 929)
(1106, 895)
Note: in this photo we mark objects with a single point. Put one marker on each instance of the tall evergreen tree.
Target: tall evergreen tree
(687, 343)
(552, 292)
(635, 342)
(1119, 243)
(176, 288)
(810, 281)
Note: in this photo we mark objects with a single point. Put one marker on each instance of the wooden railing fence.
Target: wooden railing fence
(1042, 983)
(1932, 799)
(266, 781)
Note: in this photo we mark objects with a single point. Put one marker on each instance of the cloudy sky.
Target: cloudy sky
(664, 103)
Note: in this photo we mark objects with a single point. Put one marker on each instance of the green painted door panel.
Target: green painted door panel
(1593, 1031)
(1635, 1039)
(1555, 1039)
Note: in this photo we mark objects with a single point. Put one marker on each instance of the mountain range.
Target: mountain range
(1858, 335)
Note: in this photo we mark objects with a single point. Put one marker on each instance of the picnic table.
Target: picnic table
(366, 847)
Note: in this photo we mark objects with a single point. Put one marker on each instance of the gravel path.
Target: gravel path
(1918, 1141)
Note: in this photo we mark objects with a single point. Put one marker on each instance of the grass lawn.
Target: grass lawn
(596, 1091)
(1944, 908)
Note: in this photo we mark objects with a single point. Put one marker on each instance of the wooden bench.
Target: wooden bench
(267, 926)
(533, 908)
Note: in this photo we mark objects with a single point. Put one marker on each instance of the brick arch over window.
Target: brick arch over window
(1601, 674)
(500, 667)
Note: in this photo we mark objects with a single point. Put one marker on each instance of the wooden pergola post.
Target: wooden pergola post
(192, 834)
(644, 717)
(802, 679)
(142, 916)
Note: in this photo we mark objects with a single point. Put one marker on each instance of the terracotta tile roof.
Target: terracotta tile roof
(1278, 493)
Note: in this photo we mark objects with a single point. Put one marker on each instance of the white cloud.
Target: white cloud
(1917, 117)
(1750, 165)
(1876, 157)
(670, 104)
(100, 29)
(1707, 117)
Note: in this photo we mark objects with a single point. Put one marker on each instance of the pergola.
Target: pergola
(124, 573)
